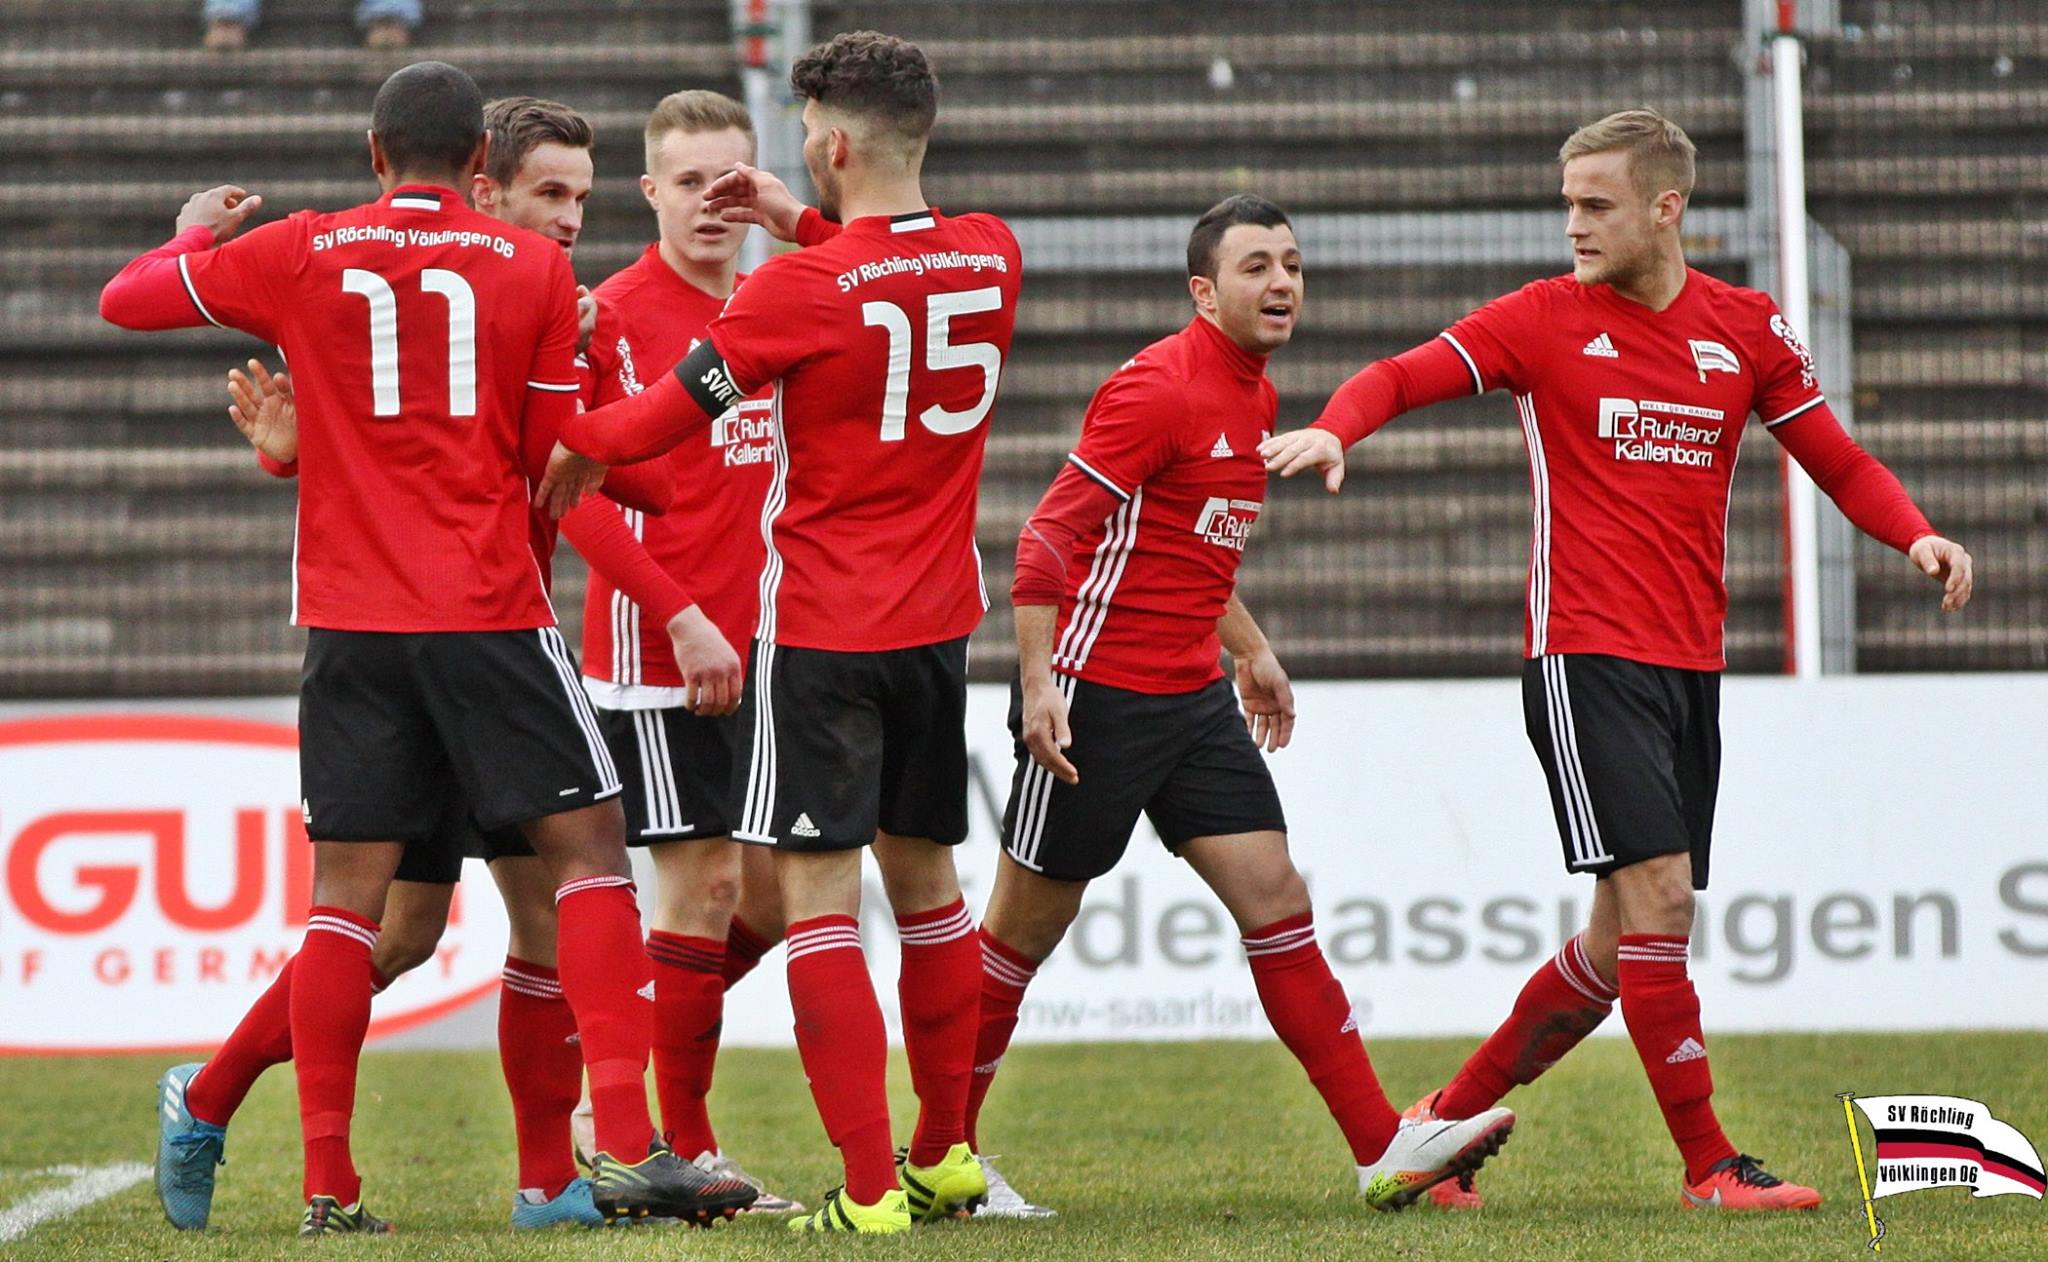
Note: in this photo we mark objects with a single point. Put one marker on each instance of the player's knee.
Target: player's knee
(1657, 898)
(400, 952)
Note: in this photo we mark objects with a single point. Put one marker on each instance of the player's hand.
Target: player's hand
(569, 478)
(586, 317)
(1268, 700)
(1946, 562)
(223, 210)
(264, 410)
(1289, 454)
(750, 195)
(1045, 729)
(710, 666)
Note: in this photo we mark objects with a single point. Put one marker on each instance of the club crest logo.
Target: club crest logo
(1937, 1141)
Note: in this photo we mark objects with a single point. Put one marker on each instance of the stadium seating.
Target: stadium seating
(146, 554)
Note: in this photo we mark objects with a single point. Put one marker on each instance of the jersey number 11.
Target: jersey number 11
(384, 336)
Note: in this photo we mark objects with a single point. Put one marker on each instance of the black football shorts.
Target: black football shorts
(394, 727)
(677, 770)
(1633, 756)
(1183, 760)
(835, 746)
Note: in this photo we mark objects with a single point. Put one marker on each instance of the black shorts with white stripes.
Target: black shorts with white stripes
(1183, 760)
(1633, 756)
(834, 746)
(392, 725)
(677, 771)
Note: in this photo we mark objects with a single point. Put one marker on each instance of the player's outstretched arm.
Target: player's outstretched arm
(263, 409)
(1430, 373)
(1874, 500)
(1263, 688)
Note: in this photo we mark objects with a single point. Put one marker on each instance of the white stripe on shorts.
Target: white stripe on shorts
(557, 650)
(1587, 849)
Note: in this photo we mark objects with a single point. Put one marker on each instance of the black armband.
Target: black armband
(704, 374)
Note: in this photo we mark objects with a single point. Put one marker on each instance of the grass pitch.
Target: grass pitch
(1196, 1150)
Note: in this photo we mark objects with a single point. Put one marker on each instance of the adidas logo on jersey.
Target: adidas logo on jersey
(1350, 1022)
(1221, 451)
(803, 827)
(647, 992)
(1601, 347)
(1688, 1050)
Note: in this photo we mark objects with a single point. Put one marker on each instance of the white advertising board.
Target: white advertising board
(1881, 862)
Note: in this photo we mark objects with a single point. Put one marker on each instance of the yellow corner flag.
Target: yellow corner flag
(1862, 1175)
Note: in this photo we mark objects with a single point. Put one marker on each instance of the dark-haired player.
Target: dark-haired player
(1125, 595)
(1633, 378)
(885, 345)
(425, 339)
(537, 177)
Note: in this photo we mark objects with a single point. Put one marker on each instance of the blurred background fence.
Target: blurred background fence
(144, 553)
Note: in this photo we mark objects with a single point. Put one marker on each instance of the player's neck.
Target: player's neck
(896, 196)
(1658, 286)
(419, 179)
(716, 279)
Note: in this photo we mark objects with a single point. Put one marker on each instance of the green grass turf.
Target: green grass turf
(1181, 1151)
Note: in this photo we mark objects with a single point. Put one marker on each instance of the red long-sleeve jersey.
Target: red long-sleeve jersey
(1632, 419)
(1161, 493)
(708, 549)
(425, 340)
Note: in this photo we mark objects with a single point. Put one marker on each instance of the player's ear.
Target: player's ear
(839, 147)
(482, 193)
(481, 155)
(379, 164)
(1203, 290)
(647, 189)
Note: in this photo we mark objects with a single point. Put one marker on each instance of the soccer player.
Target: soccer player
(1126, 582)
(432, 653)
(655, 632)
(885, 345)
(1633, 378)
(537, 177)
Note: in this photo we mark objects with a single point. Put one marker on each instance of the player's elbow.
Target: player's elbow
(117, 309)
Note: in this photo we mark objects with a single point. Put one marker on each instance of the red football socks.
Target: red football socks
(743, 950)
(844, 1047)
(263, 1039)
(1005, 973)
(938, 987)
(689, 1003)
(330, 1013)
(609, 983)
(1312, 1016)
(543, 1063)
(1663, 1015)
(1560, 1004)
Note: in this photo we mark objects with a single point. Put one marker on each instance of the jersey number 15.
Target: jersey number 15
(940, 353)
(384, 336)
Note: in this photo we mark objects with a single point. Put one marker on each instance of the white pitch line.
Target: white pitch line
(88, 1184)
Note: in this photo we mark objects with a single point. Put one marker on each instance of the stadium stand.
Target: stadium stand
(145, 553)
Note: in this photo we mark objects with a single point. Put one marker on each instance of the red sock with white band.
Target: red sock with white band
(609, 983)
(1313, 1017)
(1663, 1014)
(1560, 1004)
(330, 1013)
(939, 988)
